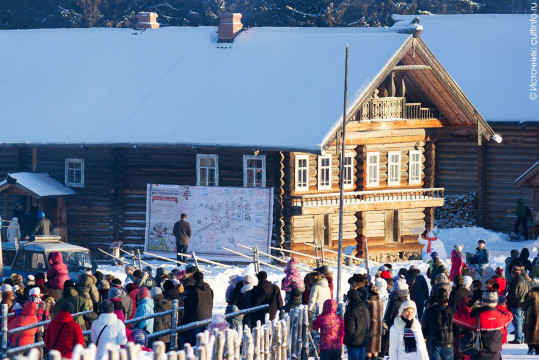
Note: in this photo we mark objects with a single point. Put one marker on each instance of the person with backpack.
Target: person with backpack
(491, 318)
(63, 333)
(107, 329)
(437, 327)
(523, 213)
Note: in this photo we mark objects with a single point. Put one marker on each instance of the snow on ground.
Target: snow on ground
(497, 243)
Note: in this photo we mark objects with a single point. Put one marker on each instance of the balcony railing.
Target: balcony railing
(397, 108)
(368, 197)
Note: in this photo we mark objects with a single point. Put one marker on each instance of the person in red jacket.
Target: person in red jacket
(63, 333)
(493, 319)
(331, 328)
(57, 275)
(500, 279)
(27, 317)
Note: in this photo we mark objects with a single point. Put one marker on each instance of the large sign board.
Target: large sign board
(219, 217)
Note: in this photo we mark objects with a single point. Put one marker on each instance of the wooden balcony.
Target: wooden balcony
(368, 200)
(396, 108)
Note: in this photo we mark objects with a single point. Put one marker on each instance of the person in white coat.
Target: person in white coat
(107, 329)
(406, 341)
(13, 231)
(320, 292)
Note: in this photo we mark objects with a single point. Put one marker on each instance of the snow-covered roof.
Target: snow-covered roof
(276, 88)
(489, 56)
(40, 184)
(527, 175)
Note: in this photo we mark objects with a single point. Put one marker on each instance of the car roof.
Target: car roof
(44, 246)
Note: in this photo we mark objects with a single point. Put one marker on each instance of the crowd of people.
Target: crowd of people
(393, 312)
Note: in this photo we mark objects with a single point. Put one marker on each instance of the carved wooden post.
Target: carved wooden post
(181, 355)
(219, 346)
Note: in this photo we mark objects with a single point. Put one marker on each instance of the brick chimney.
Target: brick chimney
(229, 27)
(146, 20)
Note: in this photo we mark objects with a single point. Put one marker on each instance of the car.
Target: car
(32, 256)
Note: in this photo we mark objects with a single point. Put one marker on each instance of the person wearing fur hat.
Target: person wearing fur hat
(530, 306)
(107, 329)
(374, 305)
(356, 326)
(397, 297)
(418, 287)
(406, 341)
(331, 328)
(324, 270)
(319, 294)
(292, 277)
(86, 286)
(456, 261)
(435, 267)
(145, 307)
(240, 294)
(492, 318)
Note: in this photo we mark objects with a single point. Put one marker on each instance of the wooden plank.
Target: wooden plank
(396, 124)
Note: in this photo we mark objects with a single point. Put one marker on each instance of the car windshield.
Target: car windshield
(76, 259)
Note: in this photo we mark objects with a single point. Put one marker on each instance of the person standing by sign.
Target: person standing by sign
(182, 233)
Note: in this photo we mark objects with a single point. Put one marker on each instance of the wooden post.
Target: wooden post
(139, 260)
(55, 355)
(195, 260)
(341, 178)
(322, 251)
(316, 253)
(366, 256)
(174, 323)
(256, 259)
(257, 342)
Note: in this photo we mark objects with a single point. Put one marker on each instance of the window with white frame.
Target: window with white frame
(393, 168)
(324, 172)
(373, 169)
(414, 170)
(302, 173)
(254, 170)
(74, 172)
(207, 170)
(348, 171)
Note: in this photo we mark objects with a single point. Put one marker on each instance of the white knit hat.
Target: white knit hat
(400, 283)
(34, 291)
(156, 291)
(6, 288)
(468, 280)
(406, 305)
(535, 282)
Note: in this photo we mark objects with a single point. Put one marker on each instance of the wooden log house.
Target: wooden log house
(211, 117)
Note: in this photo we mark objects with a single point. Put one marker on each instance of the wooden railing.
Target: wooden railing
(368, 197)
(396, 108)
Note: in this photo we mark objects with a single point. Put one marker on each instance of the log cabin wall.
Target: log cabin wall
(112, 203)
(304, 225)
(457, 170)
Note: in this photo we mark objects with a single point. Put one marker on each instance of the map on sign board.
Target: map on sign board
(219, 217)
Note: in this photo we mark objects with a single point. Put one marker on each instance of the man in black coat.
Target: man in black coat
(518, 289)
(182, 233)
(437, 326)
(198, 305)
(418, 287)
(357, 320)
(265, 293)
